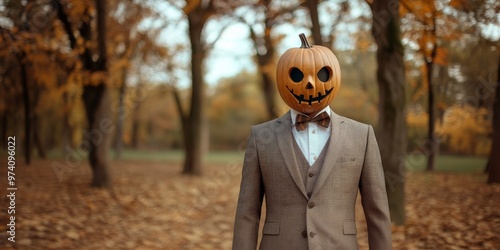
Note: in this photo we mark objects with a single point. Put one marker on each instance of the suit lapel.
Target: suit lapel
(334, 147)
(285, 145)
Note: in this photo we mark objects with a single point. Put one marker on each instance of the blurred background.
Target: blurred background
(149, 100)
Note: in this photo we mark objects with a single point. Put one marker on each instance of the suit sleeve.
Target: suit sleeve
(374, 197)
(246, 225)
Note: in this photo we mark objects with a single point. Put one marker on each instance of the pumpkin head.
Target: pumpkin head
(308, 77)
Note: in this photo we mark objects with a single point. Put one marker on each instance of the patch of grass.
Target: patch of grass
(225, 156)
(448, 163)
(175, 156)
(152, 155)
(414, 162)
(178, 156)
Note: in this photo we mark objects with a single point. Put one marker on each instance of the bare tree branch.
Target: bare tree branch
(66, 24)
(411, 10)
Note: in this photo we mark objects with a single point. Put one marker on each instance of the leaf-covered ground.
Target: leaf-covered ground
(153, 207)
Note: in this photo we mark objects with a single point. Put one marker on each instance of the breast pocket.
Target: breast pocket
(347, 179)
(349, 161)
(271, 228)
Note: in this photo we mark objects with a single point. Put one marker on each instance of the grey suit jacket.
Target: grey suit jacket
(326, 219)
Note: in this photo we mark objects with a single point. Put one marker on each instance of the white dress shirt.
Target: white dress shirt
(311, 140)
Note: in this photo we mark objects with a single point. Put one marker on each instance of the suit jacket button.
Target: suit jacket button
(310, 204)
(304, 234)
(312, 234)
(311, 174)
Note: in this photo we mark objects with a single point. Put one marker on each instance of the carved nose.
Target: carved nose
(309, 86)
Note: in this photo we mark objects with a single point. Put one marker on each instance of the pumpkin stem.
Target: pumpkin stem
(303, 39)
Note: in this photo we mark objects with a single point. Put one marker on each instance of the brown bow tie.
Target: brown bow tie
(322, 119)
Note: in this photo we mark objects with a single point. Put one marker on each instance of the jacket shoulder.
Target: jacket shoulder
(275, 124)
(355, 125)
(265, 124)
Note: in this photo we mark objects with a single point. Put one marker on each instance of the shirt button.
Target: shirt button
(304, 234)
(311, 174)
(309, 194)
(314, 131)
(310, 204)
(312, 234)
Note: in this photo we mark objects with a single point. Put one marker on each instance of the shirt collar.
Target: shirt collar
(294, 113)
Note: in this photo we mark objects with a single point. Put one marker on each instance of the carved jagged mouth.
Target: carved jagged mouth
(301, 98)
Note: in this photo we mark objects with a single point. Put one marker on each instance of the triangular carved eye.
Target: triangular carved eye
(296, 75)
(324, 74)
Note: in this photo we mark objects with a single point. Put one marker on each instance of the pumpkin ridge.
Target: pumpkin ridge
(323, 87)
(302, 53)
(298, 54)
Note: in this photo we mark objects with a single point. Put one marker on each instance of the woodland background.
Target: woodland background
(122, 126)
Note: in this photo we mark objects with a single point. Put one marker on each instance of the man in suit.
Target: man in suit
(309, 164)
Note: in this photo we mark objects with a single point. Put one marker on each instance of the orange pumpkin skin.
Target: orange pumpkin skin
(308, 78)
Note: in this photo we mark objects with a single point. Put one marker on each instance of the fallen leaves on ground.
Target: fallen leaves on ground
(152, 206)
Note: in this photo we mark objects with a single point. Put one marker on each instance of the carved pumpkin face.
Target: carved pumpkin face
(308, 77)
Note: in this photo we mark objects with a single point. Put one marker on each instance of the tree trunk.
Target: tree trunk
(36, 125)
(67, 129)
(67, 133)
(429, 63)
(51, 139)
(121, 116)
(135, 130)
(97, 104)
(269, 94)
(96, 98)
(135, 115)
(27, 109)
(36, 135)
(391, 130)
(494, 159)
(312, 6)
(193, 146)
(182, 115)
(4, 128)
(264, 59)
(431, 138)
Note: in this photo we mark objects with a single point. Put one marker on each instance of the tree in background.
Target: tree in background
(97, 102)
(197, 14)
(428, 46)
(96, 92)
(28, 59)
(269, 15)
(312, 7)
(455, 43)
(425, 35)
(194, 122)
(17, 53)
(129, 45)
(477, 15)
(494, 159)
(391, 81)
